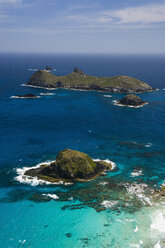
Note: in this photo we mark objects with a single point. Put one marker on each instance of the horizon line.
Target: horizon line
(81, 53)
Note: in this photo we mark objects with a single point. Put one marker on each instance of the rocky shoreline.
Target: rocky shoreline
(70, 166)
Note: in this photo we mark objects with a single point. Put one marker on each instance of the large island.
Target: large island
(80, 81)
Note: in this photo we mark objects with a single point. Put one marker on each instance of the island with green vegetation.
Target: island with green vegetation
(70, 166)
(80, 81)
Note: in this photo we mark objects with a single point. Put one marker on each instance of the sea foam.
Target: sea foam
(109, 204)
(39, 87)
(139, 191)
(47, 94)
(32, 69)
(157, 245)
(136, 173)
(22, 97)
(158, 222)
(148, 144)
(116, 103)
(103, 183)
(107, 96)
(34, 181)
(114, 166)
(137, 245)
(53, 196)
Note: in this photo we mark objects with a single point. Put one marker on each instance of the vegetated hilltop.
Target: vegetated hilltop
(79, 80)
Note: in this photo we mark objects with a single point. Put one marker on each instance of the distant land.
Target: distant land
(80, 81)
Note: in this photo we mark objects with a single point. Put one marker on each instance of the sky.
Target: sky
(83, 26)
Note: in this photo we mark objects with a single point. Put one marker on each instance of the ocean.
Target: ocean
(116, 210)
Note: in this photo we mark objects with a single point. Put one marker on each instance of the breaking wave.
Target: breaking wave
(53, 196)
(39, 87)
(32, 69)
(34, 181)
(116, 103)
(47, 94)
(114, 166)
(109, 204)
(22, 97)
(136, 173)
(148, 144)
(107, 96)
(138, 190)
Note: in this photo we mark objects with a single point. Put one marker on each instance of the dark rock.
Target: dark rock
(44, 79)
(48, 68)
(78, 71)
(104, 164)
(95, 87)
(68, 235)
(132, 100)
(27, 96)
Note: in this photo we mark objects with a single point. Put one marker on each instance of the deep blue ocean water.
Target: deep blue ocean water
(35, 130)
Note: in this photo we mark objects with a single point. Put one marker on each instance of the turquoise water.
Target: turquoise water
(115, 210)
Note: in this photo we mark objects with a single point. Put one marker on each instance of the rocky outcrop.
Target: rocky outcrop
(132, 100)
(70, 165)
(44, 79)
(74, 164)
(27, 96)
(48, 68)
(79, 80)
(78, 71)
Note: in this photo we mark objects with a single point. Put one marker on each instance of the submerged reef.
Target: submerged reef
(70, 166)
(162, 191)
(81, 81)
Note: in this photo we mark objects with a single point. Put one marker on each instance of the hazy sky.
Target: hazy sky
(83, 26)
